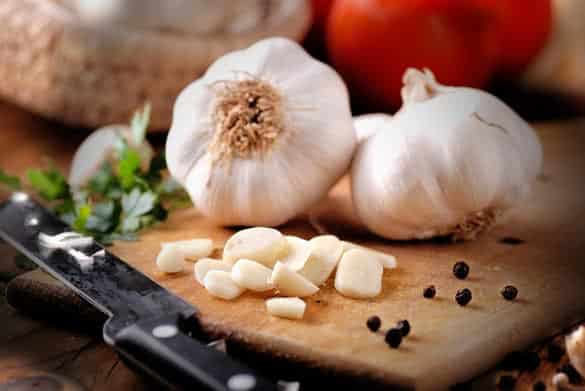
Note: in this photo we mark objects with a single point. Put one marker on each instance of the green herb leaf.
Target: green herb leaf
(136, 203)
(128, 167)
(50, 184)
(9, 181)
(83, 213)
(139, 124)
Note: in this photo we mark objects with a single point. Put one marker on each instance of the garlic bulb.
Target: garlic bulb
(262, 136)
(369, 124)
(100, 147)
(575, 343)
(448, 163)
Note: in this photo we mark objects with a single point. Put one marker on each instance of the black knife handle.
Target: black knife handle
(160, 348)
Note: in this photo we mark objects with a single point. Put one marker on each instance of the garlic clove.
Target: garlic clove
(100, 147)
(367, 125)
(326, 250)
(575, 343)
(290, 283)
(252, 275)
(298, 252)
(264, 245)
(386, 260)
(170, 260)
(359, 275)
(303, 130)
(286, 307)
(219, 284)
(193, 249)
(205, 265)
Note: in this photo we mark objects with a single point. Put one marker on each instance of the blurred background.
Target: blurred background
(88, 63)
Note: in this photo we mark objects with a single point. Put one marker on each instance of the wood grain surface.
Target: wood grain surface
(449, 343)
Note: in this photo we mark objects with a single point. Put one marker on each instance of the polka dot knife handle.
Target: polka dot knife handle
(163, 349)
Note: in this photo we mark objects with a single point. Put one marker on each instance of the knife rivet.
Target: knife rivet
(165, 331)
(19, 197)
(241, 382)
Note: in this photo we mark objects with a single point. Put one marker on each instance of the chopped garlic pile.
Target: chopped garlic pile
(261, 259)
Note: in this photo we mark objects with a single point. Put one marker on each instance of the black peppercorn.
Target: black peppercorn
(463, 296)
(393, 337)
(554, 353)
(461, 270)
(506, 383)
(509, 292)
(374, 323)
(539, 386)
(404, 327)
(573, 375)
(429, 292)
(512, 361)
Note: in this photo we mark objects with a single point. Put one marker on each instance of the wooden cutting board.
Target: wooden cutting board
(448, 343)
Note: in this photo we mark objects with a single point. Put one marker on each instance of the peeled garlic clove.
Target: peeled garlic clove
(326, 251)
(205, 265)
(264, 245)
(267, 162)
(298, 252)
(193, 249)
(286, 307)
(252, 275)
(100, 147)
(359, 275)
(290, 283)
(170, 260)
(449, 163)
(386, 260)
(575, 343)
(219, 283)
(369, 124)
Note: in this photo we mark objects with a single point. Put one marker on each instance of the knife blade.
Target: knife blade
(147, 325)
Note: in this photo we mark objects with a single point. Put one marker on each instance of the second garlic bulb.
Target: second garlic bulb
(447, 164)
(262, 136)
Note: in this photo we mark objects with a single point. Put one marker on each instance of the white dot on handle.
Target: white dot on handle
(165, 331)
(241, 382)
(19, 197)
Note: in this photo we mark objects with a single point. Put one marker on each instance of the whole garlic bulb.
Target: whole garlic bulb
(367, 125)
(99, 148)
(262, 135)
(447, 164)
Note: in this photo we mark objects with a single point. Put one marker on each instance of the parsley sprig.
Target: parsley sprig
(121, 199)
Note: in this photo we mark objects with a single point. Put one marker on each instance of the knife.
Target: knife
(147, 325)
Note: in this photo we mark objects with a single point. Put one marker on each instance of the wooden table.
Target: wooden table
(42, 353)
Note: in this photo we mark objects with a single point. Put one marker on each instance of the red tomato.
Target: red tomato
(372, 43)
(525, 28)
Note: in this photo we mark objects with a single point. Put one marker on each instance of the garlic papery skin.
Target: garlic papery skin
(447, 164)
(101, 147)
(367, 125)
(262, 136)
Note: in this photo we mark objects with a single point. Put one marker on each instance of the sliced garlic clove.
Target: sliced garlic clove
(193, 249)
(298, 252)
(252, 275)
(575, 343)
(219, 283)
(359, 275)
(261, 244)
(170, 260)
(290, 283)
(286, 307)
(205, 265)
(388, 261)
(326, 250)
